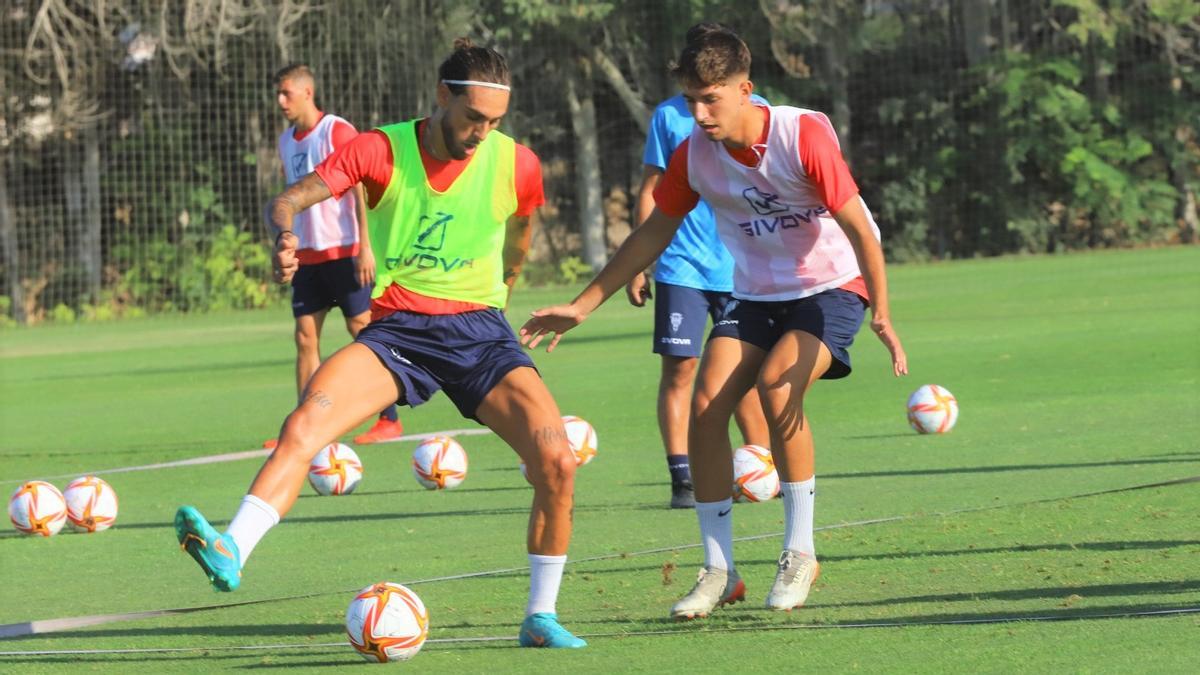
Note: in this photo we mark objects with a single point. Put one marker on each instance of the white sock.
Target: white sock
(545, 575)
(253, 519)
(716, 532)
(798, 501)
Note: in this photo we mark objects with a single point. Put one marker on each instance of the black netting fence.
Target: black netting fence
(137, 137)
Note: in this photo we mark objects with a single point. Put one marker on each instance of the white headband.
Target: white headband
(490, 85)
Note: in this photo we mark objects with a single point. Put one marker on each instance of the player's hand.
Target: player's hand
(557, 320)
(284, 261)
(364, 266)
(882, 328)
(638, 290)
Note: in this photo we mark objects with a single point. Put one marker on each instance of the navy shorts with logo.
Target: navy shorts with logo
(320, 286)
(466, 355)
(681, 315)
(833, 316)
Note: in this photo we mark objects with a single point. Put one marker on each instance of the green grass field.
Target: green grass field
(1075, 374)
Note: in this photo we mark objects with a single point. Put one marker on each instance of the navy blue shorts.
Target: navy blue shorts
(321, 286)
(681, 315)
(466, 355)
(833, 316)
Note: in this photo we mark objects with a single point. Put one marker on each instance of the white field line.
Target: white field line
(232, 457)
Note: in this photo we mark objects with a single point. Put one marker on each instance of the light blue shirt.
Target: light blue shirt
(695, 258)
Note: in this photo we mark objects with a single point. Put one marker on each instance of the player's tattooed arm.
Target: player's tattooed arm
(297, 197)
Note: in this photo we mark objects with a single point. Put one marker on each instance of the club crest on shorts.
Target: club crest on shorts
(676, 321)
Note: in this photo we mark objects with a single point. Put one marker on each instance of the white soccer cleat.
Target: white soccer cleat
(713, 588)
(796, 574)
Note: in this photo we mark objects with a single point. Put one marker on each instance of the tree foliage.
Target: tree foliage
(978, 127)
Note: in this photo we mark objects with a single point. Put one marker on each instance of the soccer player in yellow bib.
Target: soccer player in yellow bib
(451, 204)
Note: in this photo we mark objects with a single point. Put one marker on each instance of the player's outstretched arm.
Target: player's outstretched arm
(638, 289)
(638, 251)
(283, 209)
(853, 220)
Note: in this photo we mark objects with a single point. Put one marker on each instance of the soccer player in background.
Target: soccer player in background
(337, 267)
(807, 262)
(693, 279)
(450, 204)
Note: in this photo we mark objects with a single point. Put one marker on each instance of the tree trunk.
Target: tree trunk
(10, 247)
(588, 190)
(81, 189)
(976, 30)
(88, 241)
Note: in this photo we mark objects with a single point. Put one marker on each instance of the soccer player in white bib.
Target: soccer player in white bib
(337, 267)
(693, 280)
(807, 262)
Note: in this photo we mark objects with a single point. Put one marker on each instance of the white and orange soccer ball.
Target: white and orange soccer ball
(754, 476)
(336, 470)
(932, 409)
(582, 439)
(387, 622)
(439, 463)
(37, 507)
(91, 504)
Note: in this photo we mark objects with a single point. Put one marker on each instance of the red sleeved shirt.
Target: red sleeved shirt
(819, 155)
(368, 159)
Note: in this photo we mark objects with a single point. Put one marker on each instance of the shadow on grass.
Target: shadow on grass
(868, 437)
(208, 367)
(684, 572)
(1003, 468)
(1047, 592)
(420, 491)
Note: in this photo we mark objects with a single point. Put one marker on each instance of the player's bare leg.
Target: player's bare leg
(674, 414)
(727, 371)
(307, 334)
(750, 420)
(790, 370)
(308, 347)
(387, 426)
(521, 411)
(351, 385)
(356, 323)
(347, 388)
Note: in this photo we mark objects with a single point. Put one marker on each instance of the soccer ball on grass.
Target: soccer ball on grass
(336, 470)
(932, 410)
(439, 463)
(37, 507)
(91, 504)
(387, 622)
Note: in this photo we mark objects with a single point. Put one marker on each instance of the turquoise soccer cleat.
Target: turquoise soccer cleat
(544, 630)
(216, 553)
